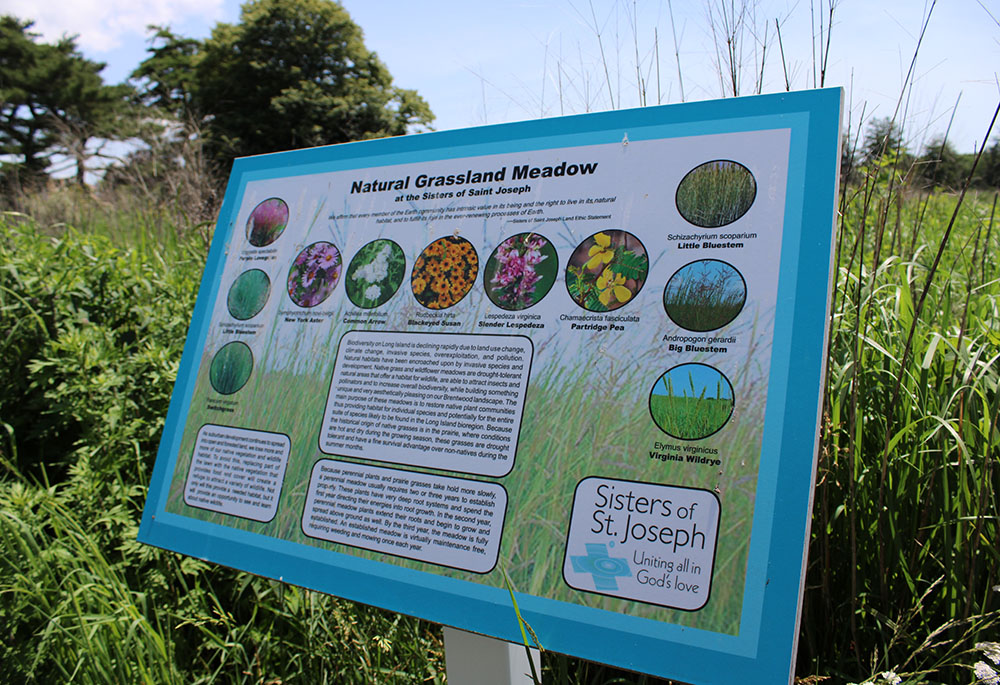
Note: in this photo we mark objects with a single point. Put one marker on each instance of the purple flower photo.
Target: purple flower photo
(521, 271)
(314, 274)
(267, 221)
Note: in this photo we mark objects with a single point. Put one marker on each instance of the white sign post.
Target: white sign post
(479, 660)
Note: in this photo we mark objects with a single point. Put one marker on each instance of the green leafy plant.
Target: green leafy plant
(94, 336)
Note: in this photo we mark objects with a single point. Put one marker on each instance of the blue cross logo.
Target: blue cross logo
(603, 568)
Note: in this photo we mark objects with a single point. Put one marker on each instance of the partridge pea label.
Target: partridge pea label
(642, 541)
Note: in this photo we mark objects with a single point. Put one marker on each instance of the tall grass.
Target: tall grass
(903, 562)
(693, 411)
(231, 368)
(93, 335)
(716, 193)
(68, 604)
(704, 295)
(248, 294)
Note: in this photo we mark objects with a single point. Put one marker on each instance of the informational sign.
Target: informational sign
(584, 354)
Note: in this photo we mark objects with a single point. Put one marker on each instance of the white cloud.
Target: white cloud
(102, 25)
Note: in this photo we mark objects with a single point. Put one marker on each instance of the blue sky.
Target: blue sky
(699, 376)
(479, 63)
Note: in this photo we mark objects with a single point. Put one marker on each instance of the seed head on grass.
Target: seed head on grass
(692, 414)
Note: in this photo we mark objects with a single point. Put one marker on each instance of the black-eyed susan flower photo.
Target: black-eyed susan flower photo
(445, 272)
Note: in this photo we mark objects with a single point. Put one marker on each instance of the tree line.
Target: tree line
(289, 74)
(936, 164)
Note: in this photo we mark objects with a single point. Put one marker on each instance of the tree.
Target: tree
(52, 100)
(26, 69)
(942, 165)
(883, 139)
(90, 111)
(168, 77)
(291, 74)
(988, 171)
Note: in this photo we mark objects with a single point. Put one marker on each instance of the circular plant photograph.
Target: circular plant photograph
(607, 270)
(375, 274)
(705, 295)
(267, 221)
(248, 294)
(231, 368)
(521, 271)
(716, 193)
(691, 401)
(444, 272)
(314, 274)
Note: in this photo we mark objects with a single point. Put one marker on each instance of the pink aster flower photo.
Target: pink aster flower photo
(314, 274)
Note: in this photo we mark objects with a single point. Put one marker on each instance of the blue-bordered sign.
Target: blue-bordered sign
(583, 353)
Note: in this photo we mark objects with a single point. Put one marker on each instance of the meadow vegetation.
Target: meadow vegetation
(94, 320)
(94, 304)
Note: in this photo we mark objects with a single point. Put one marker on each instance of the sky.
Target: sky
(482, 63)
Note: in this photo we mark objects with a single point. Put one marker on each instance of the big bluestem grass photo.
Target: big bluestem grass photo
(521, 271)
(445, 272)
(267, 222)
(375, 274)
(716, 193)
(704, 295)
(314, 274)
(231, 368)
(248, 294)
(691, 401)
(607, 270)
